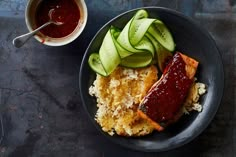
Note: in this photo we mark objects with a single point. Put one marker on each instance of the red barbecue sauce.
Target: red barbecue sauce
(65, 11)
(164, 101)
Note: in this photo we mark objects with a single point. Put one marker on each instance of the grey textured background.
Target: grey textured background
(40, 106)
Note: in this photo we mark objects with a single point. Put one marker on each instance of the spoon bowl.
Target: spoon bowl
(30, 19)
(21, 40)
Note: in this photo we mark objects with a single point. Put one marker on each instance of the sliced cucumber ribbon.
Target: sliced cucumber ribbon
(133, 46)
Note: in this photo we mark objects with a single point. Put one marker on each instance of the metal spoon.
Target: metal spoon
(21, 40)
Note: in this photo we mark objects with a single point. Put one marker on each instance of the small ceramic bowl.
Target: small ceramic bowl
(30, 20)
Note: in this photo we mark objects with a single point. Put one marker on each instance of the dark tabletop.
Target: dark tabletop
(40, 108)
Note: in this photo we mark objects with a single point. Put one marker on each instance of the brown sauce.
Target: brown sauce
(165, 100)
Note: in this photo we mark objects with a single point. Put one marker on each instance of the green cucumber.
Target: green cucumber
(135, 46)
(146, 46)
(142, 58)
(123, 39)
(115, 32)
(162, 54)
(108, 58)
(134, 31)
(139, 26)
(108, 54)
(137, 60)
(96, 65)
(161, 33)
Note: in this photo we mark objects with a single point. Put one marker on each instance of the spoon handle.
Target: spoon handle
(21, 40)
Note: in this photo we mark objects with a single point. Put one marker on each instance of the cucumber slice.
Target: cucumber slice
(123, 39)
(161, 33)
(108, 54)
(155, 43)
(162, 54)
(135, 46)
(115, 32)
(146, 45)
(138, 29)
(134, 31)
(139, 26)
(96, 64)
(137, 60)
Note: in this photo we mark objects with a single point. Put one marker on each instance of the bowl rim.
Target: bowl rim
(221, 87)
(69, 38)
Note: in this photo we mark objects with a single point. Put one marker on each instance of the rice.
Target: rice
(119, 95)
(192, 101)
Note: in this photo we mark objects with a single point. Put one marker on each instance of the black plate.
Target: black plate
(190, 39)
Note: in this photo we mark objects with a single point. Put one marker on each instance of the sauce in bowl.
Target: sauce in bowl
(65, 11)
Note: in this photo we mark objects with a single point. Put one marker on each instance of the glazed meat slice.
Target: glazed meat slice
(163, 103)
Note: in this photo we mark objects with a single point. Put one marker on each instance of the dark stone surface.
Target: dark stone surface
(40, 106)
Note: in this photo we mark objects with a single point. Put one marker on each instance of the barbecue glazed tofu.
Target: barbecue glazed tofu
(164, 102)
